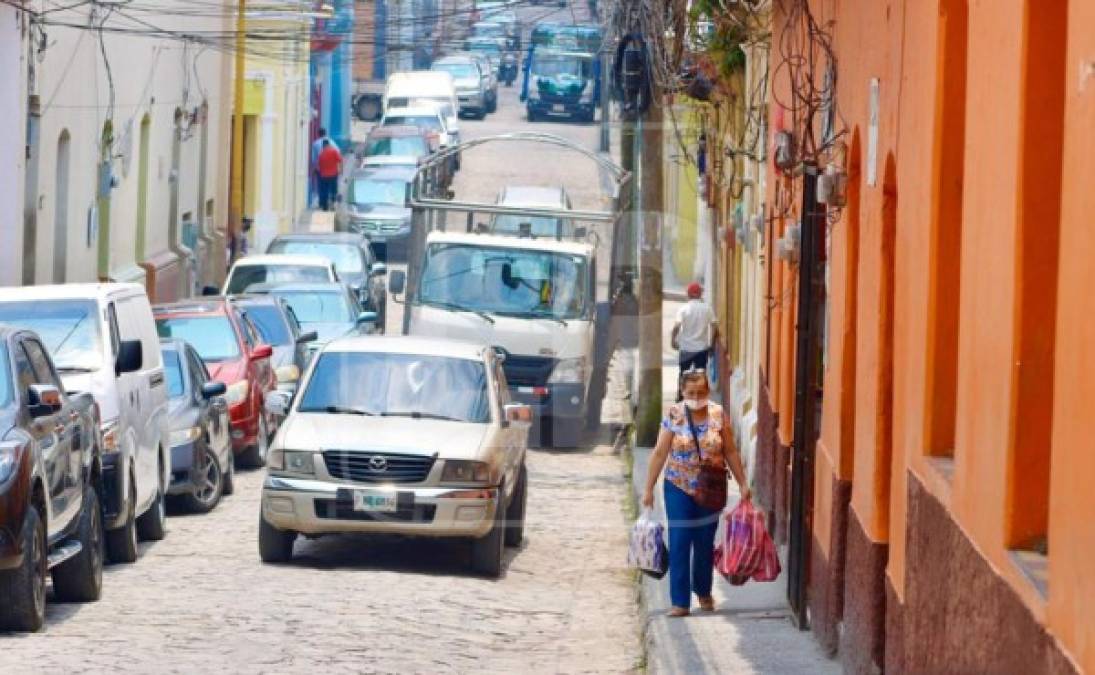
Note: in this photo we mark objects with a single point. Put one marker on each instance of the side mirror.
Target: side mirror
(517, 414)
(210, 290)
(43, 399)
(310, 336)
(397, 281)
(262, 352)
(378, 269)
(367, 317)
(213, 389)
(130, 357)
(277, 402)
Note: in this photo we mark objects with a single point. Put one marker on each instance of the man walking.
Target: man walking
(695, 330)
(329, 167)
(317, 147)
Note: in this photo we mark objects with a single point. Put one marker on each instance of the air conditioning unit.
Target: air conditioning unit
(788, 246)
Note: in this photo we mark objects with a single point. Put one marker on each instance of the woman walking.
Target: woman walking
(695, 446)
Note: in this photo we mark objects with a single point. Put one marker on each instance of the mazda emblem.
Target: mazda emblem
(378, 464)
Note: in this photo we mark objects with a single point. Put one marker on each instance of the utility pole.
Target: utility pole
(235, 197)
(649, 161)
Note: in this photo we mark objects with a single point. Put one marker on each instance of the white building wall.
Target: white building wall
(140, 75)
(13, 102)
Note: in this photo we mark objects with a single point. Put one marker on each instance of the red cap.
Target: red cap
(694, 290)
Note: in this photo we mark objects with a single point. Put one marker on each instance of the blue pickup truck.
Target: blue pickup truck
(50, 477)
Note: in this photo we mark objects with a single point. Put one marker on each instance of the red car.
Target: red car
(230, 346)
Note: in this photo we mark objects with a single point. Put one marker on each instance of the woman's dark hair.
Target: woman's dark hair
(689, 376)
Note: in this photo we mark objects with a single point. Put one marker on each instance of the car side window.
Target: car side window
(254, 338)
(291, 315)
(245, 328)
(198, 376)
(43, 371)
(24, 373)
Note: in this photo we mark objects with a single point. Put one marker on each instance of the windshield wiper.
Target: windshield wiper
(532, 315)
(340, 410)
(460, 308)
(420, 415)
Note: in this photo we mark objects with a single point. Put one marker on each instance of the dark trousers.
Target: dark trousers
(691, 360)
(328, 189)
(691, 546)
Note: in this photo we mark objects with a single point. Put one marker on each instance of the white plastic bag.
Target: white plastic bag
(647, 550)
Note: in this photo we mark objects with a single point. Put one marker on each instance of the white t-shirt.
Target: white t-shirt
(695, 319)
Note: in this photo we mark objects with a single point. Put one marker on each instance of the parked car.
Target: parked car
(404, 436)
(278, 327)
(50, 475)
(533, 197)
(267, 269)
(490, 75)
(423, 88)
(103, 340)
(472, 87)
(376, 207)
(430, 118)
(231, 349)
(202, 463)
(492, 48)
(353, 258)
(330, 310)
(406, 142)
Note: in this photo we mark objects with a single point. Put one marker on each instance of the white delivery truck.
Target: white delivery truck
(534, 301)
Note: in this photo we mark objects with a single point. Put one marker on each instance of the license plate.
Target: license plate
(558, 107)
(377, 502)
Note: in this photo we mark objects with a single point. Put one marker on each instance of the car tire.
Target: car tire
(230, 475)
(275, 546)
(255, 456)
(207, 495)
(493, 107)
(515, 514)
(23, 589)
(121, 543)
(531, 115)
(487, 551)
(562, 434)
(152, 524)
(80, 578)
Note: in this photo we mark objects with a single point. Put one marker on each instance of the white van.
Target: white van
(411, 89)
(103, 340)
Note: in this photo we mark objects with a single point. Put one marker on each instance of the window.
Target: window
(376, 191)
(69, 329)
(43, 371)
(173, 373)
(270, 323)
(212, 336)
(319, 307)
(346, 258)
(398, 385)
(245, 276)
(414, 146)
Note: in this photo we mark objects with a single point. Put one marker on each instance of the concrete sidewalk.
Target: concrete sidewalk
(751, 629)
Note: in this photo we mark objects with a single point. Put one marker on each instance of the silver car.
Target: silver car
(399, 435)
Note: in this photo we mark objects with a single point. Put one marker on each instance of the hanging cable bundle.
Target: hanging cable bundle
(631, 75)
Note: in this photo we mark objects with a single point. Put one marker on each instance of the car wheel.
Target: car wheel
(486, 552)
(562, 433)
(255, 456)
(275, 546)
(493, 107)
(515, 514)
(530, 114)
(80, 578)
(23, 589)
(121, 544)
(230, 475)
(207, 493)
(152, 524)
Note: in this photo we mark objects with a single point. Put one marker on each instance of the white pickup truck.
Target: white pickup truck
(533, 300)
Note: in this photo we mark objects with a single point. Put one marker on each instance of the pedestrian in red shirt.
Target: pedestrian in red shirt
(329, 166)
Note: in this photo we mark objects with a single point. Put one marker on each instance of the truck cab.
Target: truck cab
(560, 82)
(533, 300)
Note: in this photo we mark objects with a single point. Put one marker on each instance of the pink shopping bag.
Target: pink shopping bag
(746, 551)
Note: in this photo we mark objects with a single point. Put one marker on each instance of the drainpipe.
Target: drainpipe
(185, 284)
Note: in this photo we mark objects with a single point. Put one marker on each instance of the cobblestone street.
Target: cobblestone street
(201, 599)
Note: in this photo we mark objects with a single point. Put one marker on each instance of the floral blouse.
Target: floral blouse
(682, 467)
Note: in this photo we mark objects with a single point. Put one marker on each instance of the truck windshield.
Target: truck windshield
(410, 385)
(414, 146)
(373, 191)
(505, 281)
(211, 336)
(318, 306)
(555, 66)
(69, 330)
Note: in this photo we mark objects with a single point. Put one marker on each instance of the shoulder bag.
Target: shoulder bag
(711, 488)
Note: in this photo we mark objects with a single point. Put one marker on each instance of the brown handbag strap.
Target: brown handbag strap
(692, 428)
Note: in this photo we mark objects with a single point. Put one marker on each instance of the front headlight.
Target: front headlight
(182, 436)
(465, 471)
(7, 460)
(237, 392)
(112, 441)
(287, 374)
(569, 371)
(292, 461)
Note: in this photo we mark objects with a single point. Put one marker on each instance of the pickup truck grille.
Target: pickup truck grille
(527, 371)
(377, 467)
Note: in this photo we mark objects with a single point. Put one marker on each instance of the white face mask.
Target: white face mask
(695, 403)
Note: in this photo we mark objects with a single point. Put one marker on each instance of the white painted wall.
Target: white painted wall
(13, 101)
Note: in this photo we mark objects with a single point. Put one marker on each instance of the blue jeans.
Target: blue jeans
(691, 546)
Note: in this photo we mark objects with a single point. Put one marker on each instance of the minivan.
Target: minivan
(103, 340)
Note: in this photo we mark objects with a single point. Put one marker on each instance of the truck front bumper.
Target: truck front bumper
(553, 400)
(314, 507)
(567, 108)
